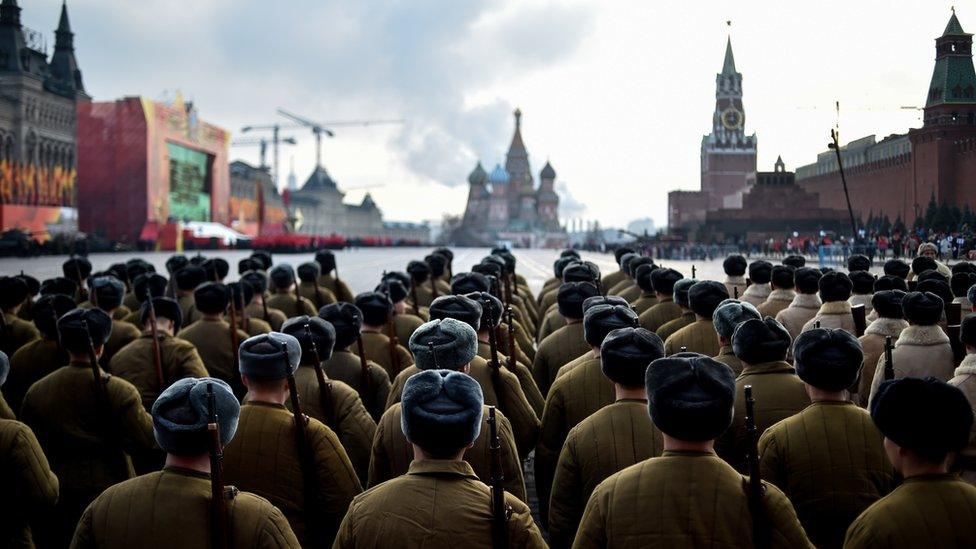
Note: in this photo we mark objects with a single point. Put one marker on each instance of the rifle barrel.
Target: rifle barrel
(218, 503)
(499, 513)
(756, 506)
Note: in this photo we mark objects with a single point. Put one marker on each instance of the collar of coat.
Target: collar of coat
(781, 295)
(737, 280)
(922, 336)
(887, 327)
(725, 350)
(835, 308)
(758, 290)
(967, 366)
(806, 301)
(442, 467)
(777, 367)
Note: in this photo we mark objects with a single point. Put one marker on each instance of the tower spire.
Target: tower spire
(728, 66)
(63, 37)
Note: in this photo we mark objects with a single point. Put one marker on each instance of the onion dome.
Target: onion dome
(478, 175)
(499, 176)
(547, 172)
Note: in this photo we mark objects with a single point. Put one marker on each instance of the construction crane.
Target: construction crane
(275, 141)
(263, 143)
(319, 128)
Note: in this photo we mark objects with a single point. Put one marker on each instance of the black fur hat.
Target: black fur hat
(270, 356)
(212, 298)
(627, 352)
(932, 274)
(154, 283)
(760, 271)
(189, 277)
(600, 320)
(963, 267)
(604, 300)
(465, 283)
(781, 277)
(181, 415)
(795, 261)
(165, 308)
(624, 261)
(862, 282)
(59, 285)
(437, 264)
(490, 269)
(458, 307)
(119, 271)
(570, 297)
(923, 309)
(569, 252)
(264, 258)
(393, 289)
(690, 397)
(618, 254)
(663, 280)
(888, 282)
(282, 276)
(759, 341)
(926, 415)
(967, 332)
(638, 261)
(835, 286)
(681, 289)
(828, 359)
(858, 262)
(706, 295)
(922, 263)
(249, 264)
(241, 293)
(107, 292)
(962, 282)
(257, 279)
(729, 314)
(33, 284)
(375, 306)
(897, 267)
(47, 310)
(400, 276)
(491, 307)
(308, 330)
(888, 303)
(175, 263)
(441, 411)
(346, 319)
(326, 260)
(309, 271)
(443, 344)
(217, 268)
(937, 287)
(419, 271)
(73, 335)
(581, 272)
(560, 264)
(75, 267)
(13, 292)
(642, 276)
(734, 265)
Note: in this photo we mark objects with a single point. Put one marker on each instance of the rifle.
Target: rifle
(889, 365)
(693, 272)
(318, 296)
(306, 462)
(367, 378)
(102, 404)
(860, 319)
(760, 533)
(511, 337)
(496, 376)
(218, 501)
(816, 324)
(433, 287)
(413, 296)
(298, 300)
(157, 352)
(499, 510)
(325, 388)
(958, 349)
(394, 342)
(235, 341)
(735, 292)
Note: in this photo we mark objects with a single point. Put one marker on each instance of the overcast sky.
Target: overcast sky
(617, 94)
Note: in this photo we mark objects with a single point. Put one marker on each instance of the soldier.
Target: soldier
(760, 274)
(107, 293)
(172, 507)
(264, 258)
(647, 297)
(590, 354)
(735, 271)
(576, 395)
(77, 270)
(897, 268)
(15, 332)
(835, 309)
(335, 404)
(964, 378)
(862, 283)
(699, 336)
(135, 362)
(420, 293)
(309, 478)
(858, 262)
(686, 317)
(664, 309)
(805, 305)
(927, 258)
(33, 289)
(215, 339)
(404, 323)
(617, 276)
(242, 293)
(449, 257)
(886, 283)
(584, 271)
(151, 284)
(729, 314)
(327, 261)
(217, 269)
(612, 439)
(5, 411)
(890, 323)
(258, 306)
(42, 356)
(761, 345)
(924, 422)
(795, 261)
(173, 265)
(86, 430)
(438, 267)
(284, 297)
(187, 280)
(467, 283)
(781, 294)
(440, 501)
(960, 284)
(632, 292)
(30, 487)
(567, 342)
(553, 283)
(448, 344)
(308, 287)
(625, 267)
(688, 497)
(376, 309)
(802, 455)
(922, 349)
(59, 285)
(370, 381)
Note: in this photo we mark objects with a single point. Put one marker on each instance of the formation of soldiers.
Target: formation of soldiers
(785, 406)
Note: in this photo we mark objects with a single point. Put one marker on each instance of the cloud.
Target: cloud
(568, 206)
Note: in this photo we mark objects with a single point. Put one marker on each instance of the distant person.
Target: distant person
(805, 305)
(699, 337)
(760, 274)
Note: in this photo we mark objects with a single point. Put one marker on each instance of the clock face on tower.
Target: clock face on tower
(732, 119)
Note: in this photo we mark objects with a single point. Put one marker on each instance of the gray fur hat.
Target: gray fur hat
(457, 307)
(729, 314)
(705, 296)
(627, 352)
(757, 341)
(604, 300)
(570, 297)
(690, 396)
(828, 359)
(600, 320)
(486, 301)
(4, 367)
(443, 344)
(441, 411)
(681, 288)
(319, 331)
(270, 356)
(180, 415)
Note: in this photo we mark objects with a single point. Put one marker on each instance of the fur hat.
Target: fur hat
(346, 319)
(496, 260)
(175, 263)
(961, 283)
(604, 300)
(400, 276)
(924, 309)
(932, 274)
(937, 287)
(663, 280)
(927, 247)
(967, 332)
(57, 285)
(264, 258)
(458, 307)
(781, 277)
(638, 261)
(734, 265)
(759, 341)
(706, 295)
(681, 289)
(73, 335)
(729, 314)
(643, 276)
(446, 252)
(690, 397)
(888, 303)
(624, 261)
(835, 286)
(888, 282)
(507, 257)
(760, 271)
(490, 269)
(807, 280)
(795, 261)
(465, 283)
(308, 330)
(4, 367)
(897, 267)
(376, 308)
(282, 276)
(627, 352)
(248, 264)
(858, 262)
(75, 267)
(165, 307)
(309, 271)
(921, 264)
(181, 415)
(828, 359)
(570, 297)
(198, 260)
(189, 277)
(47, 310)
(326, 260)
(862, 282)
(581, 272)
(258, 281)
(441, 411)
(107, 292)
(241, 293)
(437, 264)
(419, 271)
(270, 356)
(119, 271)
(600, 320)
(926, 415)
(560, 264)
(443, 344)
(212, 298)
(13, 292)
(217, 268)
(393, 289)
(963, 267)
(618, 254)
(491, 307)
(155, 283)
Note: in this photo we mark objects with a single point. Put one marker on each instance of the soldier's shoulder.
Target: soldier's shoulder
(125, 327)
(11, 430)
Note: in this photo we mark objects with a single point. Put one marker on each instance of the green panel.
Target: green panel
(189, 194)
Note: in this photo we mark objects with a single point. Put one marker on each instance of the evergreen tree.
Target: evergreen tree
(967, 215)
(899, 226)
(943, 220)
(930, 213)
(885, 224)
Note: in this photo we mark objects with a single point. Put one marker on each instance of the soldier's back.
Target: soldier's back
(213, 341)
(347, 368)
(872, 345)
(30, 488)
(122, 334)
(670, 327)
(274, 317)
(697, 337)
(405, 325)
(30, 363)
(318, 296)
(17, 333)
(776, 302)
(171, 508)
(288, 304)
(378, 350)
(560, 347)
(136, 363)
(256, 326)
(659, 314)
(338, 287)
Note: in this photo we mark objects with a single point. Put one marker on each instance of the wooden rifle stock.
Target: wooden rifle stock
(694, 272)
(318, 295)
(510, 318)
(735, 292)
(860, 319)
(394, 343)
(496, 376)
(367, 378)
(499, 511)
(413, 296)
(218, 502)
(102, 404)
(307, 463)
(889, 365)
(235, 340)
(325, 387)
(154, 331)
(760, 532)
